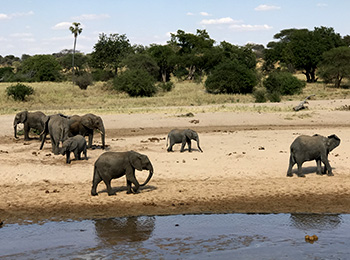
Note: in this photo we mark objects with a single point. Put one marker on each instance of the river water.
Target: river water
(224, 236)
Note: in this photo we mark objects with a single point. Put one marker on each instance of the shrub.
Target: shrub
(231, 77)
(283, 83)
(83, 80)
(260, 95)
(6, 74)
(19, 91)
(102, 75)
(166, 86)
(136, 83)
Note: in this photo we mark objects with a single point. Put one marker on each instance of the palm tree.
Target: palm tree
(76, 31)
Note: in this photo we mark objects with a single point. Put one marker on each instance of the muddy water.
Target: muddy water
(231, 236)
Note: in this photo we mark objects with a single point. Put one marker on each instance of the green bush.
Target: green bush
(166, 86)
(41, 68)
(136, 82)
(83, 80)
(231, 77)
(260, 95)
(102, 75)
(283, 83)
(19, 91)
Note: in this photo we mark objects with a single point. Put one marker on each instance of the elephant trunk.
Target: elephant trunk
(15, 129)
(200, 149)
(149, 176)
(103, 135)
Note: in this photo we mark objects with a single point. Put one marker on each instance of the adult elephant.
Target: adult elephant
(85, 126)
(34, 120)
(58, 128)
(112, 165)
(176, 136)
(307, 148)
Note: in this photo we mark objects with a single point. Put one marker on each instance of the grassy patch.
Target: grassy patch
(185, 97)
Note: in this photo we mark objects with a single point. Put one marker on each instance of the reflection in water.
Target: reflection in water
(131, 229)
(315, 221)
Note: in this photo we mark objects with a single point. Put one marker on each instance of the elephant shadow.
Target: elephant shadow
(99, 147)
(143, 189)
(308, 170)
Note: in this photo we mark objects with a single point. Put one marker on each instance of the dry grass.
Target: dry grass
(185, 97)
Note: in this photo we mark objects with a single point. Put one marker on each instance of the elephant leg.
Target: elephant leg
(324, 159)
(183, 146)
(131, 179)
(54, 146)
(109, 187)
(300, 172)
(67, 157)
(90, 140)
(85, 153)
(291, 164)
(26, 129)
(77, 154)
(171, 144)
(189, 145)
(96, 180)
(319, 167)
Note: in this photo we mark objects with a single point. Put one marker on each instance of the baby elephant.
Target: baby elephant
(112, 165)
(177, 136)
(75, 144)
(308, 148)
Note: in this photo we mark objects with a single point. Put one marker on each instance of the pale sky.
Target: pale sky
(42, 26)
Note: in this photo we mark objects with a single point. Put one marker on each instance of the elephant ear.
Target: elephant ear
(135, 160)
(87, 121)
(73, 145)
(23, 116)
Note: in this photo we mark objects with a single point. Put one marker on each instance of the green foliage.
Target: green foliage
(19, 91)
(335, 65)
(83, 80)
(165, 58)
(260, 95)
(6, 74)
(302, 49)
(166, 86)
(142, 61)
(102, 75)
(135, 82)
(109, 51)
(41, 68)
(283, 83)
(231, 77)
(65, 59)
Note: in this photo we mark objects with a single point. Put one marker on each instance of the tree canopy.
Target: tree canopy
(302, 49)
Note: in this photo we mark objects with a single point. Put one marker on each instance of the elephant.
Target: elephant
(176, 136)
(85, 126)
(307, 148)
(113, 165)
(58, 128)
(29, 120)
(75, 144)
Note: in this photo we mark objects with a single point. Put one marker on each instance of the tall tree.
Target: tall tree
(302, 49)
(76, 30)
(335, 65)
(110, 50)
(192, 51)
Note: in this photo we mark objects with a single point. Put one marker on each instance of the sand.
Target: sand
(242, 169)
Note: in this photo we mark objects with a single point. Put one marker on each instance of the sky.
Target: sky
(42, 26)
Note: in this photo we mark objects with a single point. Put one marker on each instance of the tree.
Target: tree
(164, 56)
(41, 68)
(76, 31)
(141, 61)
(335, 65)
(109, 51)
(302, 49)
(192, 51)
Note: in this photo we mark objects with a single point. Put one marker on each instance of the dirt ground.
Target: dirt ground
(242, 169)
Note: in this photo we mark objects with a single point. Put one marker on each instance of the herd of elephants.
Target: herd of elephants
(70, 132)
